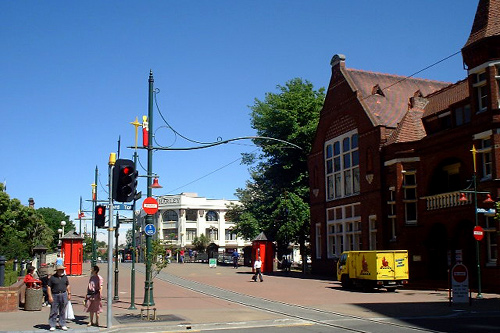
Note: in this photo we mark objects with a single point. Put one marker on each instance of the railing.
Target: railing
(446, 200)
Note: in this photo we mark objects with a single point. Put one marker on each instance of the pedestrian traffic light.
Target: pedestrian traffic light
(124, 181)
(100, 216)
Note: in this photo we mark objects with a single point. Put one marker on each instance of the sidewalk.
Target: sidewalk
(181, 308)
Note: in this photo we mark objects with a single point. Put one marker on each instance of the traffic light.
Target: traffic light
(124, 181)
(100, 216)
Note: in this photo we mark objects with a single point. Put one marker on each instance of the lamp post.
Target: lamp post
(463, 198)
(63, 223)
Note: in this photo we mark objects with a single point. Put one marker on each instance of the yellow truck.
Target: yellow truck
(373, 269)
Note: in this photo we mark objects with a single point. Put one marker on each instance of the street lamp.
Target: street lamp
(463, 198)
(63, 223)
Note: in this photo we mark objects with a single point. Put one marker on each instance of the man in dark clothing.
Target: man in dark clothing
(59, 293)
(236, 256)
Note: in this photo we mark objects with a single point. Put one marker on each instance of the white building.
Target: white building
(184, 216)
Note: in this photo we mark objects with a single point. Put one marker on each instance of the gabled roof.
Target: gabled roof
(388, 109)
(441, 100)
(486, 21)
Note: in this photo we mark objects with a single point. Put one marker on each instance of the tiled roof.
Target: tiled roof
(409, 129)
(442, 99)
(389, 109)
(486, 21)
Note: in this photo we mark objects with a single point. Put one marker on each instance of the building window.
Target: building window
(372, 220)
(486, 158)
(481, 91)
(169, 216)
(190, 234)
(230, 235)
(343, 229)
(318, 241)
(491, 240)
(342, 166)
(497, 77)
(212, 233)
(212, 216)
(191, 215)
(462, 115)
(170, 234)
(391, 206)
(410, 197)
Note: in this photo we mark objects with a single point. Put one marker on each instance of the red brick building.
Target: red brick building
(392, 155)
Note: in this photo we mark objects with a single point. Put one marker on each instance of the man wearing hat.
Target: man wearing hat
(59, 293)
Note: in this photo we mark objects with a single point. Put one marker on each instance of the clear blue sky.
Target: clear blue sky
(73, 76)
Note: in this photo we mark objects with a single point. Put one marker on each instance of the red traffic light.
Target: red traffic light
(126, 170)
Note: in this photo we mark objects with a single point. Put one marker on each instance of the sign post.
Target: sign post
(460, 283)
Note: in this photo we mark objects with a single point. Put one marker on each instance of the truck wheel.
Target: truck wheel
(346, 282)
(391, 289)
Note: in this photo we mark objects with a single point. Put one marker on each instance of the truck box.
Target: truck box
(373, 269)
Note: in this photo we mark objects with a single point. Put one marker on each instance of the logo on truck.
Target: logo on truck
(385, 264)
(364, 267)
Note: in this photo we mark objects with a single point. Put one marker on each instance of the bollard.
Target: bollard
(2, 270)
(21, 272)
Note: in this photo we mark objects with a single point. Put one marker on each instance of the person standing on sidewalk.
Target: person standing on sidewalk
(236, 256)
(93, 300)
(59, 293)
(257, 265)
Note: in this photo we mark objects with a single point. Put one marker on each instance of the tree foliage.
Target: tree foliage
(200, 243)
(53, 218)
(275, 199)
(21, 228)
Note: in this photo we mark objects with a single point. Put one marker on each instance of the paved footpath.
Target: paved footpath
(193, 296)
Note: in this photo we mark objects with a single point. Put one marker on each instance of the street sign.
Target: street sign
(122, 206)
(149, 230)
(150, 205)
(486, 211)
(478, 233)
(460, 283)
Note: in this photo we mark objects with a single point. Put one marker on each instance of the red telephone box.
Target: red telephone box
(72, 252)
(265, 249)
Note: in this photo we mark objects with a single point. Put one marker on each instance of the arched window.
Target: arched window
(212, 216)
(191, 215)
(169, 216)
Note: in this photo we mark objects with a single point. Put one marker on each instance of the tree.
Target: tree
(276, 198)
(200, 243)
(21, 228)
(53, 218)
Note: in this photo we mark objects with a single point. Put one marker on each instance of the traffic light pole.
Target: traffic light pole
(148, 283)
(132, 272)
(94, 227)
(112, 159)
(117, 229)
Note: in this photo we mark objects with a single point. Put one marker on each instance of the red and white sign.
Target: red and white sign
(150, 205)
(478, 233)
(460, 284)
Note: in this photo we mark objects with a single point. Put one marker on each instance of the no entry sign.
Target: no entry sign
(478, 233)
(150, 205)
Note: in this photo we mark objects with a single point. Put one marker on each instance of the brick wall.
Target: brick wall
(10, 297)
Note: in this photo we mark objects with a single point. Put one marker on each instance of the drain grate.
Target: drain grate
(136, 318)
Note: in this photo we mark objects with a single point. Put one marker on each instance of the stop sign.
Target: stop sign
(478, 233)
(150, 205)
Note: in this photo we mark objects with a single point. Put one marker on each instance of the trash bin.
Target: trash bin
(34, 299)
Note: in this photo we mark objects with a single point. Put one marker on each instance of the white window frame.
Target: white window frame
(407, 188)
(318, 241)
(490, 234)
(372, 226)
(342, 178)
(481, 87)
(343, 231)
(392, 212)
